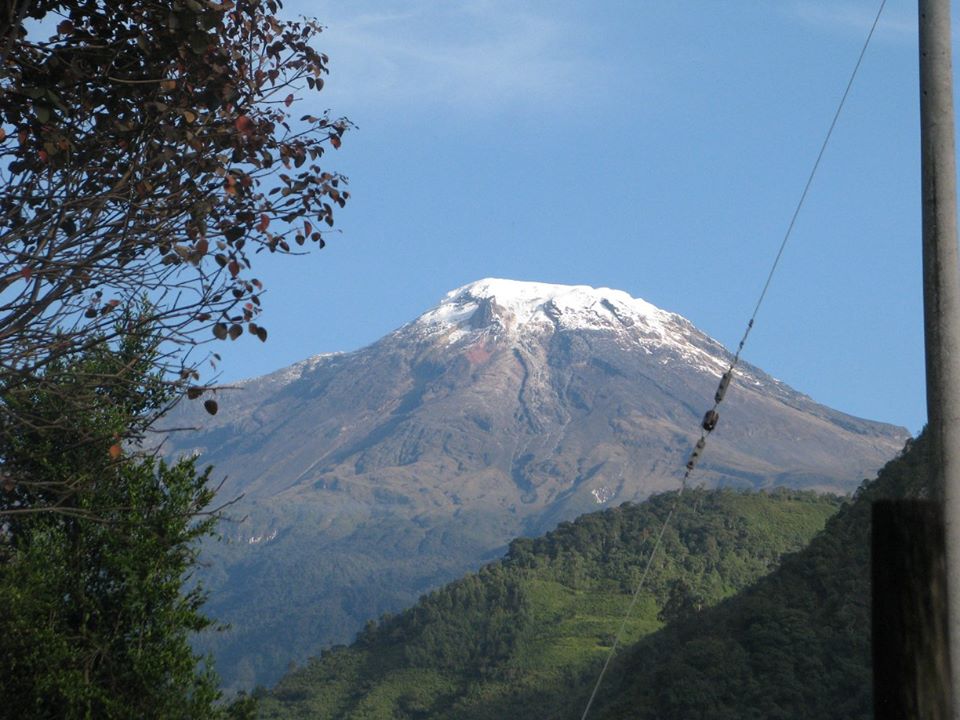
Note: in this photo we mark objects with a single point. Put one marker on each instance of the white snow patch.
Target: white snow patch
(257, 539)
(576, 307)
(287, 375)
(601, 494)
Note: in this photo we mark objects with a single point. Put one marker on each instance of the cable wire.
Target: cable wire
(813, 172)
(710, 419)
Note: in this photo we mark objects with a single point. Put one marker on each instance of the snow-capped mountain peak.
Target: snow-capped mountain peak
(515, 308)
(515, 304)
(508, 407)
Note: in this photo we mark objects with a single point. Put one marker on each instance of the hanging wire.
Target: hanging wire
(710, 419)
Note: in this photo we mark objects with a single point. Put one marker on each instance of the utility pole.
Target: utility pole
(941, 292)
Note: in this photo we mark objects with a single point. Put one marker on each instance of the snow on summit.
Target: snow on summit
(534, 302)
(513, 305)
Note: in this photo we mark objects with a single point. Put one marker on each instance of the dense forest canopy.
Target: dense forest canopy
(523, 636)
(791, 643)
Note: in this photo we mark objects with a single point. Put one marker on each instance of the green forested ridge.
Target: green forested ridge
(523, 636)
(794, 645)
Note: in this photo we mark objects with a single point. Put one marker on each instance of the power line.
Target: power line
(813, 172)
(711, 417)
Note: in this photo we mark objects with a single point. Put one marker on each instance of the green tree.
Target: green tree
(96, 616)
(149, 147)
(681, 602)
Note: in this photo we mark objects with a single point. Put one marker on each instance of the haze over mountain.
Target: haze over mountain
(372, 476)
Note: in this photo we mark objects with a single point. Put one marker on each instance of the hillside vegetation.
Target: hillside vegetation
(523, 637)
(795, 645)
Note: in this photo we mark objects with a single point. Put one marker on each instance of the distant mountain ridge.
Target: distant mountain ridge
(508, 407)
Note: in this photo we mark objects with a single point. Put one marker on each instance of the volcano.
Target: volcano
(370, 477)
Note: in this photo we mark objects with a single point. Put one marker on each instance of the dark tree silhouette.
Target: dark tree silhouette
(148, 152)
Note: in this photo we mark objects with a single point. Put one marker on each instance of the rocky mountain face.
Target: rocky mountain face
(372, 476)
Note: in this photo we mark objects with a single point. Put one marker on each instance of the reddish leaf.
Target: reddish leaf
(289, 100)
(115, 451)
(335, 141)
(264, 222)
(234, 267)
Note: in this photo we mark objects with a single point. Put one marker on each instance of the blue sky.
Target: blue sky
(654, 147)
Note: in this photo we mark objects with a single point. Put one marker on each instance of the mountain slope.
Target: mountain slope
(794, 644)
(378, 474)
(517, 396)
(491, 644)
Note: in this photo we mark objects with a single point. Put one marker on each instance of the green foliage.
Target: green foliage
(469, 627)
(65, 433)
(794, 645)
(150, 147)
(518, 638)
(96, 621)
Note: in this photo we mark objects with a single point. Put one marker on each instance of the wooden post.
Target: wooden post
(911, 669)
(941, 290)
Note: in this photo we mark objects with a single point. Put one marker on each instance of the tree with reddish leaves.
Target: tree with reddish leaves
(148, 152)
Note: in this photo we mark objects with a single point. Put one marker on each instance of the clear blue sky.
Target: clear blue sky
(654, 147)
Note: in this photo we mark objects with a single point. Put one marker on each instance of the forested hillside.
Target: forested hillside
(795, 645)
(524, 636)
